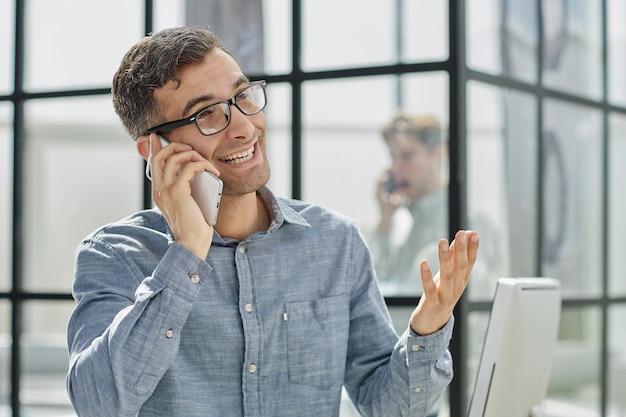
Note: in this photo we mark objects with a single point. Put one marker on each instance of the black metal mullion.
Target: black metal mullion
(296, 101)
(604, 361)
(539, 93)
(457, 191)
(18, 203)
(147, 184)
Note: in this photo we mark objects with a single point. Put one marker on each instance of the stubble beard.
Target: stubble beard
(254, 181)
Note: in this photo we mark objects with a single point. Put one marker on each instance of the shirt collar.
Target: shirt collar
(280, 210)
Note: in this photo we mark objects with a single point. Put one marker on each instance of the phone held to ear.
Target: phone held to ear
(389, 184)
(206, 190)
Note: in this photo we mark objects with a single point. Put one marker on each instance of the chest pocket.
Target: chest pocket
(317, 340)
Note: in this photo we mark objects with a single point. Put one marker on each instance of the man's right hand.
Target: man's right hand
(173, 167)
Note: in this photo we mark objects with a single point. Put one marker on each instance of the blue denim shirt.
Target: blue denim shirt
(271, 326)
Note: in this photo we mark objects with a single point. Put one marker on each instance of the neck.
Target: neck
(241, 216)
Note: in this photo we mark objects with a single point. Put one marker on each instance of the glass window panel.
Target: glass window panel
(617, 205)
(168, 14)
(5, 358)
(330, 40)
(278, 120)
(6, 195)
(425, 30)
(381, 35)
(572, 46)
(616, 393)
(277, 36)
(572, 196)
(81, 171)
(44, 358)
(259, 38)
(7, 45)
(483, 22)
(337, 129)
(574, 387)
(501, 178)
(616, 51)
(77, 50)
(502, 37)
(344, 150)
(238, 23)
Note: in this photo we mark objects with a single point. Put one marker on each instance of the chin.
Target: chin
(251, 184)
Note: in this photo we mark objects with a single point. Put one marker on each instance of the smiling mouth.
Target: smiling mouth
(239, 157)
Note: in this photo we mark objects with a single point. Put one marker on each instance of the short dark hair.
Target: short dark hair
(422, 127)
(151, 63)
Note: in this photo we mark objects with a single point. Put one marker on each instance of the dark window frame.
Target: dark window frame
(459, 75)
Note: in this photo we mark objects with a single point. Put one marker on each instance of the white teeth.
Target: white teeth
(240, 157)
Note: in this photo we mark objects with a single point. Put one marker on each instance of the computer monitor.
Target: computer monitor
(514, 368)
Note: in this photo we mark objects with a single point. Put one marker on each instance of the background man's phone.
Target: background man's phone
(390, 184)
(206, 189)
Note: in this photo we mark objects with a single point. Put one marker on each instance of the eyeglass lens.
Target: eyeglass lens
(216, 117)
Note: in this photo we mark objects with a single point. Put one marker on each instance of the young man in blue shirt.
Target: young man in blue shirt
(268, 313)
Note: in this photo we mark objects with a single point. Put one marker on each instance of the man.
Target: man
(269, 312)
(414, 187)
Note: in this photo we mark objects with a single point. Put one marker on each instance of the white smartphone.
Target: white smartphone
(206, 189)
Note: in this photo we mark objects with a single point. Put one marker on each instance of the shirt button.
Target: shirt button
(194, 278)
(418, 389)
(416, 348)
(169, 333)
(252, 368)
(249, 308)
(242, 249)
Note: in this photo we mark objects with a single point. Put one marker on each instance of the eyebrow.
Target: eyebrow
(208, 97)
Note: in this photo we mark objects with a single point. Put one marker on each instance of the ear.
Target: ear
(143, 146)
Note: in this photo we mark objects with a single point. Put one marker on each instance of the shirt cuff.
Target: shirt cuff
(430, 347)
(182, 270)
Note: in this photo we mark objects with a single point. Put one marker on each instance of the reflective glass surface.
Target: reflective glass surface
(5, 358)
(346, 157)
(374, 35)
(616, 51)
(256, 32)
(44, 359)
(76, 50)
(424, 30)
(502, 37)
(572, 46)
(574, 387)
(6, 195)
(501, 172)
(616, 393)
(617, 205)
(278, 134)
(572, 196)
(82, 171)
(7, 44)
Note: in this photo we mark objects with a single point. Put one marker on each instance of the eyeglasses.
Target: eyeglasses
(216, 117)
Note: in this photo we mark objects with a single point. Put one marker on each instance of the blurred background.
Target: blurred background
(531, 97)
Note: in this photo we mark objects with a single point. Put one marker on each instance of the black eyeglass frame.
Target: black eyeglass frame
(169, 126)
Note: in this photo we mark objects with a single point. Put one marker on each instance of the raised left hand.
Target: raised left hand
(443, 291)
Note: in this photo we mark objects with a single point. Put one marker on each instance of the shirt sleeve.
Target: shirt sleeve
(387, 375)
(124, 332)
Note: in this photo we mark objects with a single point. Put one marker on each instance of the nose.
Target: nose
(240, 126)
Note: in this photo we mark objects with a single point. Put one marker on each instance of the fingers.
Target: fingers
(457, 260)
(177, 161)
(446, 265)
(428, 284)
